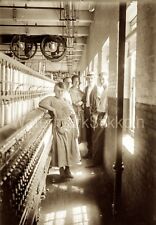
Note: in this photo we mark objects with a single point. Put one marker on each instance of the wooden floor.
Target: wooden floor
(83, 200)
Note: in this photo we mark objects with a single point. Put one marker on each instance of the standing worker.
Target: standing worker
(65, 131)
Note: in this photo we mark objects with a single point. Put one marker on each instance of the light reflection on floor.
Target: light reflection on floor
(71, 202)
(79, 217)
(72, 188)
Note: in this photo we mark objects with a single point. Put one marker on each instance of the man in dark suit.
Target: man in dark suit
(87, 99)
(98, 110)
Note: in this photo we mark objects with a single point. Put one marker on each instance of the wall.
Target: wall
(105, 26)
(138, 184)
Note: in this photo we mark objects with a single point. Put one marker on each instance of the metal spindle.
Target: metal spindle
(3, 76)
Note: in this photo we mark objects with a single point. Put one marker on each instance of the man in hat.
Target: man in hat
(98, 111)
(90, 78)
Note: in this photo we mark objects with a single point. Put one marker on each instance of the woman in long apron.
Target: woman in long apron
(65, 150)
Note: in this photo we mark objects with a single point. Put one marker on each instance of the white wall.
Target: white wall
(104, 26)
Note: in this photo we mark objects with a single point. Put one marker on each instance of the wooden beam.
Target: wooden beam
(39, 16)
(44, 30)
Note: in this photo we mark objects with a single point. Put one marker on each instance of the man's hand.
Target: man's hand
(94, 120)
(62, 130)
(54, 112)
(79, 103)
(103, 122)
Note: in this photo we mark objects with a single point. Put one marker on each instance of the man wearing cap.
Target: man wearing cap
(90, 78)
(98, 111)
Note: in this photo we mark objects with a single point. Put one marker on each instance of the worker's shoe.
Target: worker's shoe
(68, 173)
(62, 173)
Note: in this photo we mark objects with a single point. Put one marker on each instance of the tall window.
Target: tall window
(132, 91)
(91, 65)
(96, 64)
(131, 61)
(130, 73)
(87, 69)
(105, 57)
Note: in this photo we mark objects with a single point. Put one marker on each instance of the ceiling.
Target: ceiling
(38, 18)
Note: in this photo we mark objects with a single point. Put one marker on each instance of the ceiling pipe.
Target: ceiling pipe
(30, 7)
(29, 25)
(14, 13)
(69, 17)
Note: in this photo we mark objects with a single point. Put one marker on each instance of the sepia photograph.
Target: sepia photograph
(78, 112)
